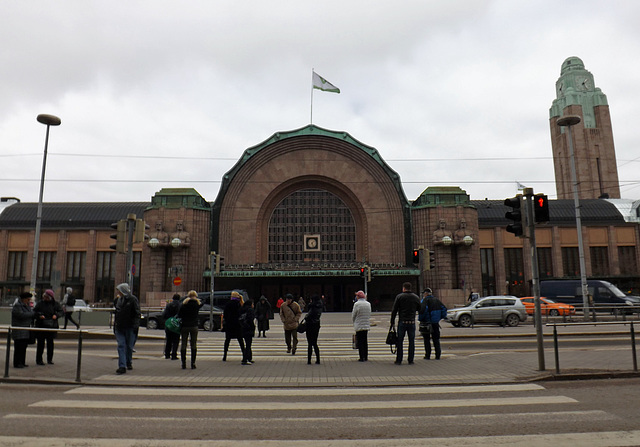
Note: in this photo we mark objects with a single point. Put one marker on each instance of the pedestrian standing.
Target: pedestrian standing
(313, 327)
(279, 303)
(290, 316)
(361, 318)
(302, 304)
(126, 323)
(21, 316)
(406, 305)
(231, 323)
(188, 313)
(68, 302)
(431, 312)
(248, 327)
(46, 312)
(172, 339)
(263, 314)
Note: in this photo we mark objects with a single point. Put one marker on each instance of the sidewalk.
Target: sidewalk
(339, 367)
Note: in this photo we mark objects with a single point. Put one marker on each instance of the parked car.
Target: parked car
(501, 310)
(81, 306)
(154, 320)
(548, 307)
(220, 297)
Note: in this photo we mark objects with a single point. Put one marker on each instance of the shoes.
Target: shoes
(175, 357)
(361, 360)
(245, 363)
(397, 363)
(20, 366)
(317, 362)
(410, 363)
(308, 362)
(129, 366)
(426, 357)
(167, 357)
(184, 366)
(288, 350)
(121, 370)
(193, 366)
(293, 351)
(224, 359)
(39, 362)
(50, 362)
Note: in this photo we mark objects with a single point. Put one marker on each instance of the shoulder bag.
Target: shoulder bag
(302, 326)
(392, 339)
(173, 324)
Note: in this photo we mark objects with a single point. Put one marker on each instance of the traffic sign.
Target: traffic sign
(177, 281)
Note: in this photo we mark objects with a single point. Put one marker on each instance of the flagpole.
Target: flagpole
(311, 120)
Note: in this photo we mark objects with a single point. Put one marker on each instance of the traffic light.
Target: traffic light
(430, 260)
(416, 256)
(541, 208)
(362, 272)
(120, 236)
(219, 262)
(368, 273)
(138, 234)
(516, 215)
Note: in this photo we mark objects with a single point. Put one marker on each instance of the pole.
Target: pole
(212, 262)
(535, 276)
(131, 222)
(36, 244)
(311, 119)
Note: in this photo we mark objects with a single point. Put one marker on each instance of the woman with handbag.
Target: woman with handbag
(172, 339)
(21, 316)
(47, 313)
(313, 327)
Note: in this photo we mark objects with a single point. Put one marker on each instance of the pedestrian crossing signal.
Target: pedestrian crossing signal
(541, 208)
(416, 256)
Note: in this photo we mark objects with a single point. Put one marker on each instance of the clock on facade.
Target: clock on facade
(583, 83)
(311, 242)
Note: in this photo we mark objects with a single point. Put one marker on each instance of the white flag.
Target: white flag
(322, 84)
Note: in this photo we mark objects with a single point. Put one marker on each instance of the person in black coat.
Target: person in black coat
(313, 327)
(47, 314)
(171, 338)
(263, 314)
(21, 316)
(231, 323)
(126, 321)
(248, 327)
(189, 329)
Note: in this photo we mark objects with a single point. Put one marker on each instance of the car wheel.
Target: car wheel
(512, 320)
(465, 320)
(206, 325)
(152, 323)
(554, 312)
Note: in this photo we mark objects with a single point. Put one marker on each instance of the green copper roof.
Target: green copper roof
(442, 196)
(179, 198)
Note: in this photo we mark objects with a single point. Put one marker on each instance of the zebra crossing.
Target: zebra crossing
(363, 416)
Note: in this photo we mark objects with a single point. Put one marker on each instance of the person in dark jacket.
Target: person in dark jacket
(405, 306)
(231, 323)
(47, 313)
(189, 329)
(68, 302)
(126, 323)
(171, 338)
(313, 327)
(21, 316)
(263, 313)
(431, 312)
(248, 327)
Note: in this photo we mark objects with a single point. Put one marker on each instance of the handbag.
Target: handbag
(354, 341)
(392, 339)
(425, 328)
(173, 324)
(302, 326)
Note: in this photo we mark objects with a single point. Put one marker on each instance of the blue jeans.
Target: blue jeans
(410, 331)
(126, 339)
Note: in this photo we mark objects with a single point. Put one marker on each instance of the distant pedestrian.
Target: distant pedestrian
(405, 306)
(302, 304)
(279, 303)
(188, 312)
(231, 324)
(21, 316)
(361, 318)
(68, 302)
(290, 316)
(431, 312)
(263, 314)
(126, 323)
(313, 327)
(248, 328)
(172, 339)
(46, 312)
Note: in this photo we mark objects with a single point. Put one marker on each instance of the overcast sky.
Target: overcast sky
(157, 94)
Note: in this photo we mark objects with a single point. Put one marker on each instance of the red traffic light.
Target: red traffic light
(541, 208)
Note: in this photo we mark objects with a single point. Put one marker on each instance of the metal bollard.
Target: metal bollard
(633, 348)
(555, 348)
(8, 357)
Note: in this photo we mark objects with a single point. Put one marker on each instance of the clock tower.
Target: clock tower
(595, 156)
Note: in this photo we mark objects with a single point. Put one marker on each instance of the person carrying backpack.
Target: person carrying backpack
(68, 302)
(431, 312)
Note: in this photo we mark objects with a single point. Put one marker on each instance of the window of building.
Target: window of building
(76, 261)
(16, 266)
(599, 261)
(46, 264)
(627, 260)
(570, 261)
(545, 262)
(514, 270)
(105, 276)
(312, 211)
(488, 271)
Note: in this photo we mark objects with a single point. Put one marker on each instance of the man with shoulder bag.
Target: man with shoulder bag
(431, 312)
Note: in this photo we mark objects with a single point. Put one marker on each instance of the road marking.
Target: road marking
(302, 406)
(304, 392)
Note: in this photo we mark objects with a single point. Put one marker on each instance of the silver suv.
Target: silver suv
(503, 310)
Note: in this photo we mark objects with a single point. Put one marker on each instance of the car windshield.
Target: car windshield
(617, 292)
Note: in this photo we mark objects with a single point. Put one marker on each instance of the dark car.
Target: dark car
(220, 297)
(154, 320)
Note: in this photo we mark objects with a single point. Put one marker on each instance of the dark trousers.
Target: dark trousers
(68, 316)
(248, 354)
(20, 352)
(171, 344)
(362, 344)
(312, 340)
(190, 333)
(435, 336)
(408, 329)
(227, 341)
(291, 338)
(41, 339)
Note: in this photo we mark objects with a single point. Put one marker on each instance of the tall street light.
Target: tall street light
(568, 121)
(48, 120)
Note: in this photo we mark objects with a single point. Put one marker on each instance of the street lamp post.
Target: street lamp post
(48, 120)
(568, 121)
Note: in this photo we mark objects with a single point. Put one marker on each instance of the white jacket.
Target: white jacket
(361, 315)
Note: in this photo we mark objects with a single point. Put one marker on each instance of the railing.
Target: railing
(79, 357)
(631, 333)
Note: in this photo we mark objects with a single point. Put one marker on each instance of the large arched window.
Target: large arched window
(310, 212)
